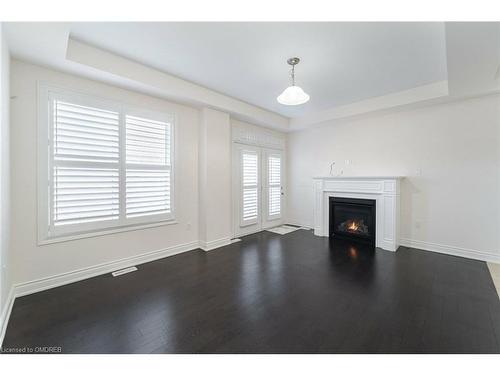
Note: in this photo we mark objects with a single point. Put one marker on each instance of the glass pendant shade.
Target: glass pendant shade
(293, 95)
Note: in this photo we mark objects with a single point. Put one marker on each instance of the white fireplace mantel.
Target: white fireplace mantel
(385, 190)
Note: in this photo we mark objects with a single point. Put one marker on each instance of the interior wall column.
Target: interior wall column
(214, 179)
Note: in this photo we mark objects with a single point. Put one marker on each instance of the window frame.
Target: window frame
(47, 233)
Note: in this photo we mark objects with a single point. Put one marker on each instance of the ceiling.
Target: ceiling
(341, 63)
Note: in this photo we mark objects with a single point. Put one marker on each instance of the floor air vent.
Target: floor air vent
(124, 271)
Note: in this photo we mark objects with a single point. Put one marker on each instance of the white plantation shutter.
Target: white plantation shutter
(148, 141)
(250, 193)
(274, 186)
(148, 160)
(83, 195)
(85, 133)
(85, 164)
(101, 166)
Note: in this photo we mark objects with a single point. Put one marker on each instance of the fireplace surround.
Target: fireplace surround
(385, 191)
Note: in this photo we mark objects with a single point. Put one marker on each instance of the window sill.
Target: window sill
(104, 232)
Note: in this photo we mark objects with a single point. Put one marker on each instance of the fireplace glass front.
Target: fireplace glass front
(353, 218)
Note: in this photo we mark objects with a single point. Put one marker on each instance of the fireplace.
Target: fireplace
(385, 191)
(353, 218)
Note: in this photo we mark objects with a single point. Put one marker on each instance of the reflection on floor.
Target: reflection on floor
(270, 293)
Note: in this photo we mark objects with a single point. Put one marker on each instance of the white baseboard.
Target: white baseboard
(4, 318)
(85, 273)
(451, 250)
(210, 245)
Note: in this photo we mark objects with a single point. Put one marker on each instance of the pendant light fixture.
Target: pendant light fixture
(293, 95)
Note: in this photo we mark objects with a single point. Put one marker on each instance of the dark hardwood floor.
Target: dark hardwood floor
(295, 293)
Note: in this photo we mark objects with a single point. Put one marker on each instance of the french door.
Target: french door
(257, 188)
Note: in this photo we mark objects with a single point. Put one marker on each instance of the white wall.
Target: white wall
(32, 262)
(5, 279)
(450, 154)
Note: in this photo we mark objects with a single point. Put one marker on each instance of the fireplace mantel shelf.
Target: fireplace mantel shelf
(358, 177)
(385, 190)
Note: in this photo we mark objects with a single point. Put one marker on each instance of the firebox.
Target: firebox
(353, 218)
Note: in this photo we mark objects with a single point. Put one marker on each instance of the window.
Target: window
(102, 165)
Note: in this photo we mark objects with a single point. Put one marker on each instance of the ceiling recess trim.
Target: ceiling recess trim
(417, 94)
(136, 76)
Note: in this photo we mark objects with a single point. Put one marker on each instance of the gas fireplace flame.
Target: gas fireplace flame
(353, 225)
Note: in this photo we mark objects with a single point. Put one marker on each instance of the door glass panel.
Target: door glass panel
(274, 188)
(250, 180)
